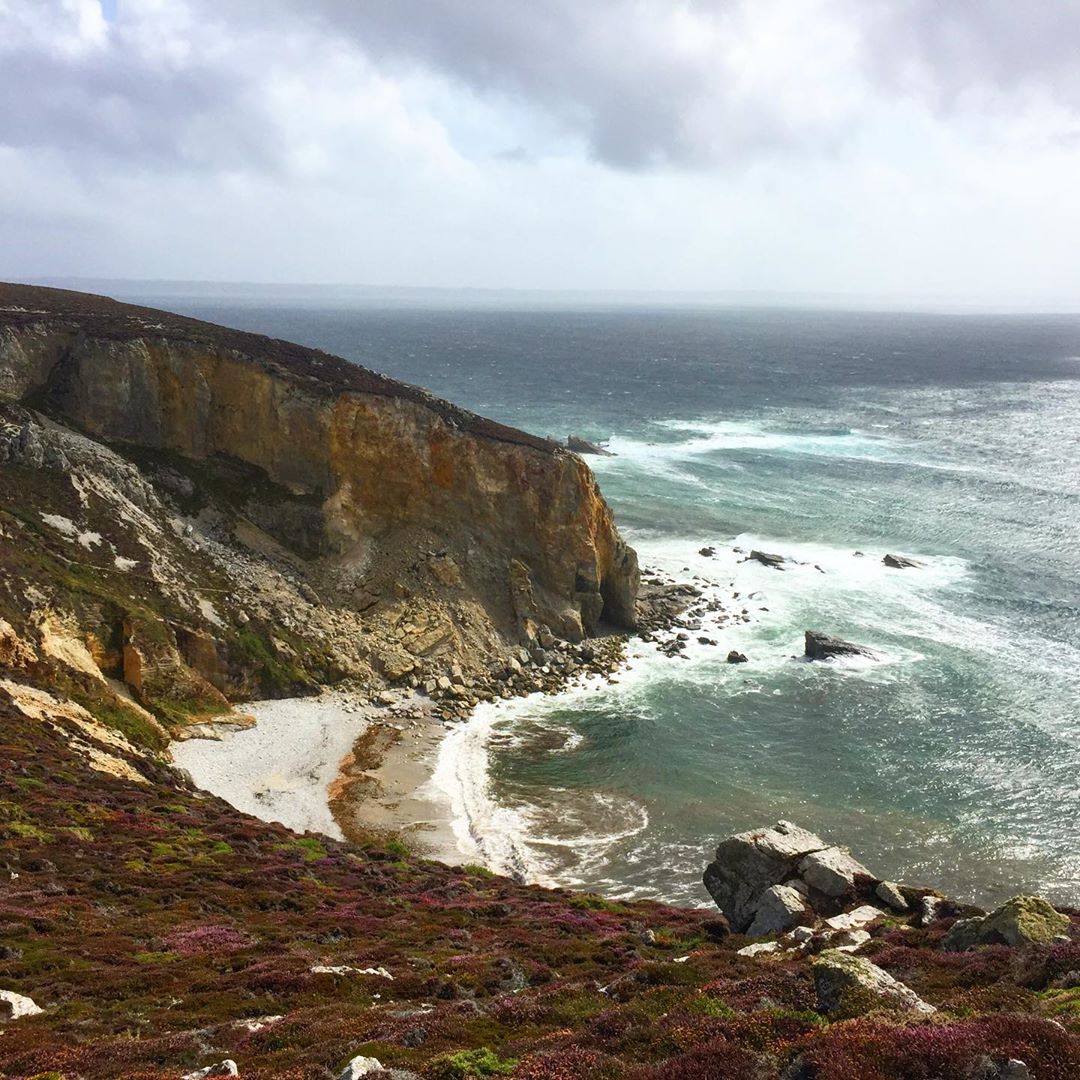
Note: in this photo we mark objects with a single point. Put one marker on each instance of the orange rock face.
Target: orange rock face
(386, 467)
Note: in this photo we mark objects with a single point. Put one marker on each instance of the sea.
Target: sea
(831, 438)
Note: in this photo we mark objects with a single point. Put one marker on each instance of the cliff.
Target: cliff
(369, 465)
(193, 516)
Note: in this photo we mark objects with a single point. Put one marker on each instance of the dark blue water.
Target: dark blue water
(954, 760)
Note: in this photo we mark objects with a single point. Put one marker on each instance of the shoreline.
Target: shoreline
(381, 780)
(388, 783)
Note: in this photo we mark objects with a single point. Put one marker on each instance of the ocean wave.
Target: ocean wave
(712, 443)
(519, 840)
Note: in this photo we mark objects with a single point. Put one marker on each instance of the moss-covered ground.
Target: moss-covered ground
(154, 924)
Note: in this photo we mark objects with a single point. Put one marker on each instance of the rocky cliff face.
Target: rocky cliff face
(192, 516)
(368, 464)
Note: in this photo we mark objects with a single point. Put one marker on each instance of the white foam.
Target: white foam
(712, 440)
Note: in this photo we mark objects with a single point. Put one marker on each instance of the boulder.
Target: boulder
(1023, 920)
(855, 919)
(832, 871)
(780, 908)
(759, 948)
(15, 1006)
(736, 657)
(888, 892)
(749, 863)
(361, 1066)
(821, 646)
(899, 562)
(852, 985)
(767, 559)
(987, 1068)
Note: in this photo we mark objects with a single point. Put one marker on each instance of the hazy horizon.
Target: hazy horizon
(421, 296)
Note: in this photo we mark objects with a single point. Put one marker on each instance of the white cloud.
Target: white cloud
(802, 145)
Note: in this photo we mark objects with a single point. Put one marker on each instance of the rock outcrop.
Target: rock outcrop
(819, 646)
(768, 880)
(767, 558)
(850, 985)
(901, 562)
(1023, 920)
(582, 446)
(353, 465)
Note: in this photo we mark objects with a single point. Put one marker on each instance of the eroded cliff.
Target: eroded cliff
(221, 471)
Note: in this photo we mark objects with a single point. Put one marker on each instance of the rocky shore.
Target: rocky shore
(193, 519)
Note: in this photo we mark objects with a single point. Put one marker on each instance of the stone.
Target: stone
(394, 663)
(736, 657)
(888, 892)
(832, 871)
(583, 446)
(1023, 920)
(852, 985)
(928, 909)
(222, 1068)
(15, 1006)
(751, 862)
(361, 1066)
(899, 562)
(987, 1068)
(819, 646)
(855, 919)
(766, 559)
(779, 909)
(849, 940)
(758, 948)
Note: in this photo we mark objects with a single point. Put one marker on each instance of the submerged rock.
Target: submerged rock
(819, 646)
(852, 985)
(901, 562)
(767, 559)
(1023, 920)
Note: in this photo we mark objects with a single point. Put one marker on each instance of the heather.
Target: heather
(161, 930)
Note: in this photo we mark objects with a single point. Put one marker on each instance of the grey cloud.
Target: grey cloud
(618, 75)
(998, 45)
(610, 70)
(113, 103)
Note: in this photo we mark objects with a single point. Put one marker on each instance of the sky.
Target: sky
(905, 149)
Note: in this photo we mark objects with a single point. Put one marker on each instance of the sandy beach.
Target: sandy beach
(333, 764)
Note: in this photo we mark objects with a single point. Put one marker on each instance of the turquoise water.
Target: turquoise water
(955, 760)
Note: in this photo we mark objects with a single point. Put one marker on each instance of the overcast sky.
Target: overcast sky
(902, 148)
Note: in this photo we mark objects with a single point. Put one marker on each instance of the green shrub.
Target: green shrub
(465, 1064)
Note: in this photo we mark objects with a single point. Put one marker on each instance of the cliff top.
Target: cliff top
(104, 317)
